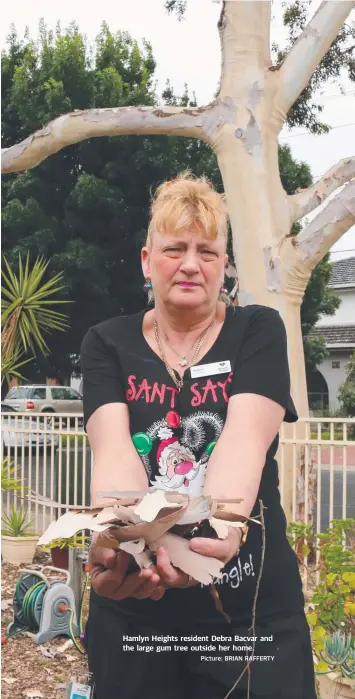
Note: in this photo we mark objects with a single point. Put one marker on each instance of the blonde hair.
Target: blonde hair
(188, 202)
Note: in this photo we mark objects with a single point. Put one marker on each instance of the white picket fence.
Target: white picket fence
(52, 458)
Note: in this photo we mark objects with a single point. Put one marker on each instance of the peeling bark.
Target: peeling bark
(309, 199)
(77, 126)
(319, 235)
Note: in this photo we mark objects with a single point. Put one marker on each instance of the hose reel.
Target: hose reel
(45, 608)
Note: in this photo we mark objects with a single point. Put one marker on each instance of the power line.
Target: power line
(309, 133)
(336, 252)
(334, 97)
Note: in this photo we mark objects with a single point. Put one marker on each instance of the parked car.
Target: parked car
(22, 431)
(45, 399)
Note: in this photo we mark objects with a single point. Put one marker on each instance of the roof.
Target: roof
(336, 335)
(343, 273)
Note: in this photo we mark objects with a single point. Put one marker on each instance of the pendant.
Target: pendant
(183, 361)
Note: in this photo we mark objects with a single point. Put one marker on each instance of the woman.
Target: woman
(189, 396)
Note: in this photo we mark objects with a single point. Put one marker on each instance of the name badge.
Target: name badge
(210, 369)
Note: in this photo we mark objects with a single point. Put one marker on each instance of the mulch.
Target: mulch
(27, 671)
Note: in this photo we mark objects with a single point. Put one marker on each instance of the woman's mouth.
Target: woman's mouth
(187, 285)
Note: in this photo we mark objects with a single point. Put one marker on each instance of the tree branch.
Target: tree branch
(244, 32)
(327, 227)
(308, 199)
(195, 122)
(309, 50)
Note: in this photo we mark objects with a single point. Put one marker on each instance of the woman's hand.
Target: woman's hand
(223, 549)
(171, 576)
(109, 576)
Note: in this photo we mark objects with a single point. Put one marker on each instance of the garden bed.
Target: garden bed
(26, 671)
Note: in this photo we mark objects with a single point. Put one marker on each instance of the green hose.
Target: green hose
(28, 604)
(26, 607)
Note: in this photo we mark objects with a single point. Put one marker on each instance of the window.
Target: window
(73, 395)
(19, 392)
(335, 365)
(39, 393)
(59, 394)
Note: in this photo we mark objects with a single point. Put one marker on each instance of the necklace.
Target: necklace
(183, 362)
(184, 358)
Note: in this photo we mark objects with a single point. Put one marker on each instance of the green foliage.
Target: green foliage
(77, 541)
(318, 300)
(315, 351)
(9, 480)
(11, 364)
(339, 58)
(16, 524)
(177, 6)
(332, 620)
(25, 315)
(346, 394)
(339, 652)
(300, 538)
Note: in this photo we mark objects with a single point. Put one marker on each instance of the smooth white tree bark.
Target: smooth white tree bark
(242, 127)
(309, 199)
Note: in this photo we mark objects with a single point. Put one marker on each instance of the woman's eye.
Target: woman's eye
(208, 252)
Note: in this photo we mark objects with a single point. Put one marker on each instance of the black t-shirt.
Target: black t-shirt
(175, 433)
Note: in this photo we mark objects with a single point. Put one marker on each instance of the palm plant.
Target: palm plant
(25, 314)
(9, 480)
(16, 524)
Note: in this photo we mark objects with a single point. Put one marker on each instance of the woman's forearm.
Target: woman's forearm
(117, 465)
(234, 471)
(116, 474)
(237, 462)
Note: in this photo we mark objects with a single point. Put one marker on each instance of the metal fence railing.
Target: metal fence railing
(51, 456)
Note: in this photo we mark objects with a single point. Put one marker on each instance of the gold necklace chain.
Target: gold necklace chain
(184, 357)
(178, 381)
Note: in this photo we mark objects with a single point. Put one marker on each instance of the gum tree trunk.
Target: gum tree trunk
(242, 127)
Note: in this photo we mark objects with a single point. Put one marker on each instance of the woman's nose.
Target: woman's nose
(190, 262)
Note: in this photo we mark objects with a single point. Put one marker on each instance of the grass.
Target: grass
(338, 435)
(74, 440)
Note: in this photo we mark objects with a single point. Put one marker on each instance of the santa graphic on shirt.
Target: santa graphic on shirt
(178, 468)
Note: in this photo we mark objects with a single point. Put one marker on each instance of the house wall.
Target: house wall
(76, 383)
(346, 311)
(334, 376)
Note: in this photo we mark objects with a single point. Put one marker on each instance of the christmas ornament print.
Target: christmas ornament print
(142, 442)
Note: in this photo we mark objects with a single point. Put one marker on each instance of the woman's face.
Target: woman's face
(186, 268)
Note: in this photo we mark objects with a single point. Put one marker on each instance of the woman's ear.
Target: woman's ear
(145, 262)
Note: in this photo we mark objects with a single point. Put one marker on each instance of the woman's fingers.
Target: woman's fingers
(223, 549)
(171, 577)
(158, 593)
(141, 585)
(105, 557)
(108, 570)
(148, 587)
(219, 548)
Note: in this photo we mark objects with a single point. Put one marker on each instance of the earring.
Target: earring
(148, 287)
(223, 290)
